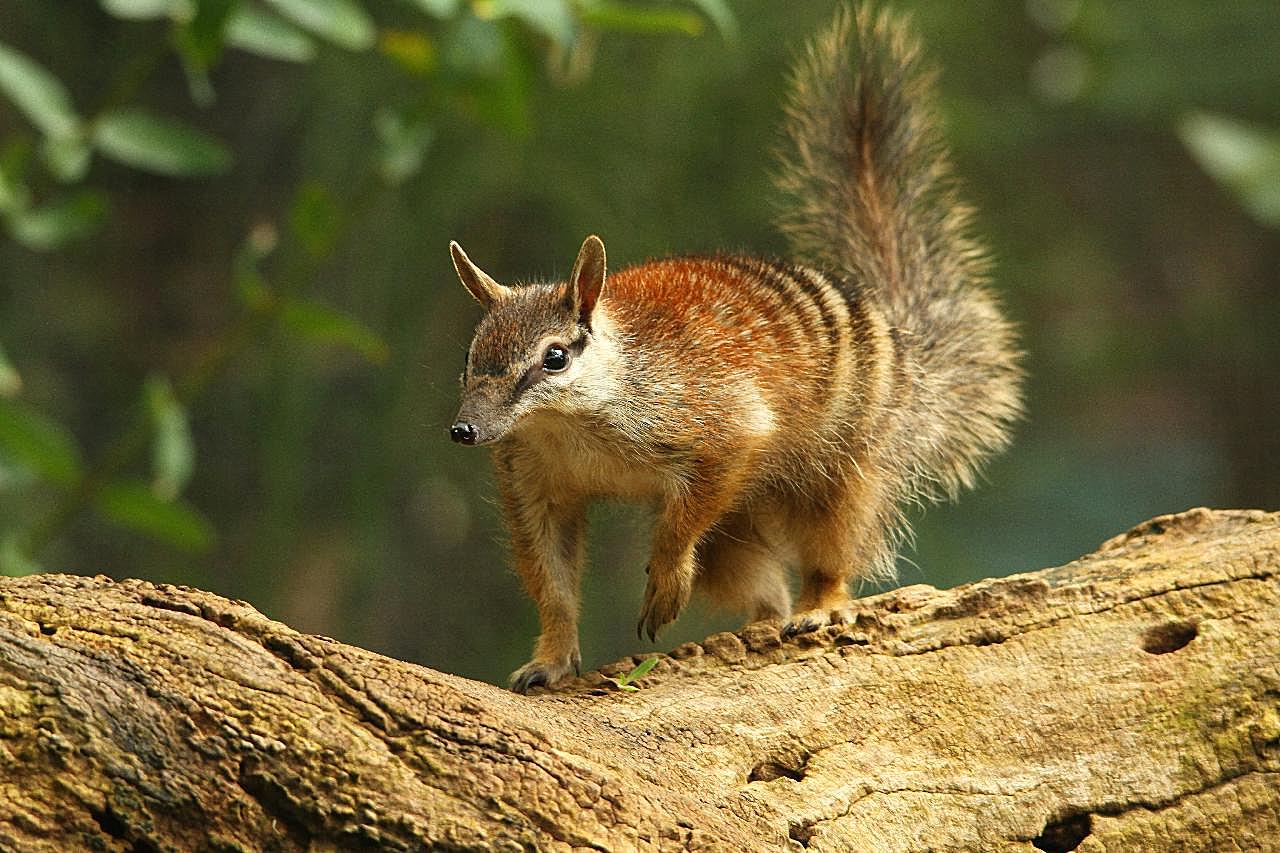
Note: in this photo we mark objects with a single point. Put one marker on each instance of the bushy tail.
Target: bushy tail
(872, 196)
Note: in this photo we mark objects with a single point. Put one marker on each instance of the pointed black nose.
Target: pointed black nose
(464, 433)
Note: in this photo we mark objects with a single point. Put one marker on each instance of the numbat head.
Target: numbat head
(532, 352)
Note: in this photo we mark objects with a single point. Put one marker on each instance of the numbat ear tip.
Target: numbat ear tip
(478, 283)
(590, 255)
(587, 280)
(460, 259)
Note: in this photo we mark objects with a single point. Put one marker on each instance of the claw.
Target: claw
(800, 625)
(662, 604)
(545, 672)
(527, 677)
(813, 620)
(646, 625)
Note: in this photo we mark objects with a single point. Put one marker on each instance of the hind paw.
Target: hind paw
(814, 620)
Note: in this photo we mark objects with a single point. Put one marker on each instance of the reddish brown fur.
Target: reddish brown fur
(711, 320)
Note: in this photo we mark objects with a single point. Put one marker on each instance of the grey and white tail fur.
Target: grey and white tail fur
(871, 195)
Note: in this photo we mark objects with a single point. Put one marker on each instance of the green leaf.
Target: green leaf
(173, 453)
(38, 443)
(10, 379)
(475, 47)
(253, 292)
(342, 22)
(643, 19)
(251, 286)
(720, 14)
(13, 195)
(199, 85)
(552, 18)
(13, 562)
(200, 40)
(59, 222)
(412, 51)
(439, 8)
(1243, 158)
(199, 44)
(499, 78)
(133, 506)
(641, 670)
(146, 10)
(404, 144)
(252, 30)
(314, 219)
(38, 94)
(67, 157)
(163, 146)
(328, 325)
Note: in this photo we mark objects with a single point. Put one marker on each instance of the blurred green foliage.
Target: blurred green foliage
(230, 334)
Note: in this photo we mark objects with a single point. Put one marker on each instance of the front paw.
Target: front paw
(540, 673)
(662, 604)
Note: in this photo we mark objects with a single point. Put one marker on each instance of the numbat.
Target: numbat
(778, 413)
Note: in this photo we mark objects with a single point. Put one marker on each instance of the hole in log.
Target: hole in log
(1064, 834)
(48, 630)
(790, 766)
(802, 832)
(767, 771)
(1168, 637)
(109, 823)
(277, 801)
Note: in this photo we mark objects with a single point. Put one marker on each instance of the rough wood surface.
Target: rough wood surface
(1127, 701)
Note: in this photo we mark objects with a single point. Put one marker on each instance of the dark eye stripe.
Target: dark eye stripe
(531, 377)
(536, 374)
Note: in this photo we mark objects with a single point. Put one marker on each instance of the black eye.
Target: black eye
(555, 359)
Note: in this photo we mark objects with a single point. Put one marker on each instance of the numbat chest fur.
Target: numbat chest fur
(778, 414)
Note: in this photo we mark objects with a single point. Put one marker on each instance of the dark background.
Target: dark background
(237, 374)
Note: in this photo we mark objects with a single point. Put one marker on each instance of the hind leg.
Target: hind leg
(738, 570)
(836, 541)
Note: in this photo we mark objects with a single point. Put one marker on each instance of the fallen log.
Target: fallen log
(1127, 701)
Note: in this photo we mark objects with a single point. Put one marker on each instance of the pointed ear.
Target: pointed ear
(477, 282)
(586, 282)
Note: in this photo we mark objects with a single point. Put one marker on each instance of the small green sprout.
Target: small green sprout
(624, 683)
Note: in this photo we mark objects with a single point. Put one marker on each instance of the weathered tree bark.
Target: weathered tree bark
(1127, 701)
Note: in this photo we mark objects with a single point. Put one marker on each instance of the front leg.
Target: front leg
(682, 523)
(547, 540)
